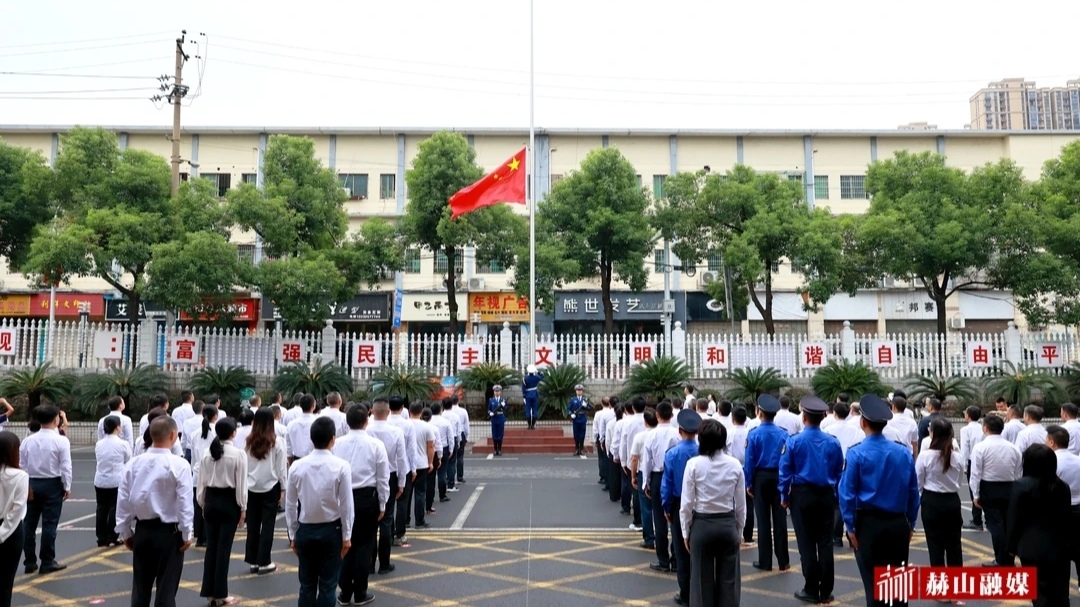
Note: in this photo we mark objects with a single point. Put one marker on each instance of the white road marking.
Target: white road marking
(459, 522)
(583, 457)
(65, 525)
(491, 456)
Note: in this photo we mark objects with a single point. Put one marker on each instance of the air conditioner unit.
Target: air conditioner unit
(348, 192)
(958, 322)
(476, 284)
(707, 277)
(888, 282)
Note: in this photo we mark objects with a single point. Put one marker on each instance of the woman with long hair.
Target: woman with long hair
(712, 513)
(200, 445)
(1039, 505)
(267, 469)
(940, 471)
(222, 493)
(14, 489)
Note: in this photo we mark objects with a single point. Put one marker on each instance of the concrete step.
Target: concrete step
(537, 440)
(538, 431)
(525, 448)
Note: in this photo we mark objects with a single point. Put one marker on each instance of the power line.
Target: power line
(79, 49)
(78, 92)
(4, 98)
(111, 63)
(52, 75)
(84, 40)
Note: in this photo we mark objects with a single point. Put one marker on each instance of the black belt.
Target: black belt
(154, 523)
(713, 515)
(777, 470)
(879, 513)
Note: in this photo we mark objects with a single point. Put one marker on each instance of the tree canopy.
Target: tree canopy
(26, 184)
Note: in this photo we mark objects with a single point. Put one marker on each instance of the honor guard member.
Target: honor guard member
(154, 516)
(578, 411)
(497, 415)
(810, 468)
(530, 389)
(879, 497)
(671, 484)
(762, 470)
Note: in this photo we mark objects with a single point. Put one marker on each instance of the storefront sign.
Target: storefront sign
(14, 305)
(67, 304)
(498, 307)
(9, 341)
(117, 310)
(241, 310)
(365, 307)
(431, 307)
(588, 305)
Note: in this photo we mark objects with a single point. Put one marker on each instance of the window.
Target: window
(639, 181)
(775, 267)
(714, 262)
(658, 185)
(183, 177)
(853, 187)
(797, 177)
(246, 253)
(252, 178)
(355, 185)
(412, 261)
(489, 266)
(222, 180)
(659, 261)
(821, 187)
(387, 186)
(441, 266)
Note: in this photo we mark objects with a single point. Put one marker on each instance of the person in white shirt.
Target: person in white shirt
(46, 457)
(689, 400)
(712, 513)
(298, 431)
(185, 411)
(1033, 433)
(1068, 470)
(995, 465)
(111, 454)
(145, 441)
(117, 406)
(243, 427)
(370, 481)
(615, 471)
(1014, 423)
(200, 445)
(600, 422)
(466, 436)
(294, 410)
(854, 418)
(970, 435)
(617, 431)
(712, 405)
(939, 470)
(14, 491)
(787, 420)
(334, 412)
(157, 401)
(901, 428)
(190, 428)
(267, 472)
(439, 462)
(393, 439)
(322, 530)
(723, 414)
(736, 447)
(154, 516)
(1069, 413)
(702, 408)
(279, 428)
(657, 443)
(417, 457)
(849, 436)
(222, 493)
(427, 438)
(637, 447)
(450, 415)
(634, 424)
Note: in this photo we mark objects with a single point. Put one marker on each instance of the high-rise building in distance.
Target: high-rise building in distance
(1016, 104)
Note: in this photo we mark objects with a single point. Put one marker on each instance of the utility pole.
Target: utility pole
(179, 91)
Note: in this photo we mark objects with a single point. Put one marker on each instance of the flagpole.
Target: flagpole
(531, 165)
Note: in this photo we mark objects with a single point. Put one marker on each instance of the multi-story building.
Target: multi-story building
(372, 164)
(1017, 104)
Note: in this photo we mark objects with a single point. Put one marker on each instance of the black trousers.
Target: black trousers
(681, 555)
(46, 507)
(222, 517)
(433, 483)
(451, 466)
(404, 512)
(10, 550)
(659, 523)
(884, 539)
(748, 530)
(261, 519)
(443, 473)
(357, 565)
(386, 527)
(627, 492)
(420, 485)
(200, 520)
(714, 560)
(812, 509)
(1052, 583)
(976, 512)
(942, 522)
(156, 560)
(1074, 538)
(460, 459)
(602, 464)
(105, 519)
(318, 548)
(771, 518)
(614, 483)
(994, 497)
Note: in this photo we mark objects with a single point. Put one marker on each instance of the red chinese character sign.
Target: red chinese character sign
(184, 349)
(109, 345)
(883, 354)
(813, 356)
(292, 351)
(715, 356)
(469, 355)
(367, 354)
(1049, 355)
(9, 341)
(979, 354)
(545, 355)
(641, 352)
(947, 584)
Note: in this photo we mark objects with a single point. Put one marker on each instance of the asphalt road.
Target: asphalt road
(526, 530)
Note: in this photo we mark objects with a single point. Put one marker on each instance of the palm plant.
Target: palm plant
(752, 382)
(481, 377)
(558, 386)
(134, 384)
(36, 383)
(1072, 379)
(411, 383)
(659, 377)
(1016, 383)
(942, 388)
(226, 382)
(853, 378)
(317, 379)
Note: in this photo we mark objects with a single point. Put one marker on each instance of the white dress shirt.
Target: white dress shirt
(424, 433)
(994, 459)
(1012, 429)
(829, 420)
(928, 469)
(242, 432)
(466, 429)
(14, 489)
(614, 429)
(788, 421)
(111, 454)
(847, 434)
(657, 443)
(1032, 434)
(393, 439)
(725, 420)
(199, 447)
(1068, 470)
(322, 481)
(156, 485)
(126, 432)
(736, 443)
(299, 435)
(181, 414)
(140, 448)
(690, 402)
(713, 485)
(600, 421)
(1073, 428)
(637, 448)
(416, 459)
(229, 472)
(970, 435)
(338, 417)
(446, 432)
(144, 423)
(902, 429)
(855, 419)
(271, 470)
(47, 454)
(291, 415)
(635, 425)
(190, 428)
(752, 423)
(367, 459)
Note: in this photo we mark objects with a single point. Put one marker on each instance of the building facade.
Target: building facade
(1017, 104)
(372, 163)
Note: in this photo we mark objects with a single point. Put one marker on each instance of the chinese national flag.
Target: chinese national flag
(504, 184)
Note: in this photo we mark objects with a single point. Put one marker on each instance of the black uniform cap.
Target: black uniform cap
(875, 409)
(768, 403)
(813, 404)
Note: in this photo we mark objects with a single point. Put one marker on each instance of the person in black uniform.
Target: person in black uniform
(810, 467)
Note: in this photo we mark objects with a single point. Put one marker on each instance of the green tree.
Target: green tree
(25, 187)
(444, 164)
(935, 224)
(196, 274)
(302, 288)
(370, 255)
(593, 223)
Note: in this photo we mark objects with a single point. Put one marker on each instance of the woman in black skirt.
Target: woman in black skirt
(267, 469)
(940, 472)
(14, 488)
(222, 494)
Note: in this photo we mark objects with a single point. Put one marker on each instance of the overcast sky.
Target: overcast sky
(599, 64)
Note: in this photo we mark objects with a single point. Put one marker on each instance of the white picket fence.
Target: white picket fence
(90, 346)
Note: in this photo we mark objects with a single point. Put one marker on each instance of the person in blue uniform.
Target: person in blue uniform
(578, 411)
(810, 469)
(497, 415)
(671, 484)
(764, 445)
(530, 389)
(879, 497)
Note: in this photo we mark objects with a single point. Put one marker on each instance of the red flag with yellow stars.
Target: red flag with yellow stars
(504, 184)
